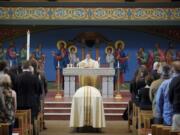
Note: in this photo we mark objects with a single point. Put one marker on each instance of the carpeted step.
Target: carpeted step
(66, 116)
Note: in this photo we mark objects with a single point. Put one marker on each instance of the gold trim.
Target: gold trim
(72, 46)
(59, 44)
(106, 49)
(119, 42)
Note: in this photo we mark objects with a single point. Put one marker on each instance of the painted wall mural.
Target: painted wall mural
(68, 13)
(133, 40)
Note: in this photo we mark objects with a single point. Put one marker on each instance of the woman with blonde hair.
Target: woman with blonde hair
(9, 105)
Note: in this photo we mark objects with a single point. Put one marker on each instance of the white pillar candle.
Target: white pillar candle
(28, 44)
(118, 64)
(58, 64)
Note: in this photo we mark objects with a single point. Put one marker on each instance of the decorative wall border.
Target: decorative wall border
(95, 15)
(63, 13)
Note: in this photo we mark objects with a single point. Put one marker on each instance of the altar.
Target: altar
(107, 83)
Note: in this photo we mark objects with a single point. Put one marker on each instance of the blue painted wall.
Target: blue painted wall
(133, 40)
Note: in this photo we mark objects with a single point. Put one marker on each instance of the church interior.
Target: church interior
(89, 66)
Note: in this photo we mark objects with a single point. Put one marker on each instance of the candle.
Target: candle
(10, 64)
(58, 64)
(28, 44)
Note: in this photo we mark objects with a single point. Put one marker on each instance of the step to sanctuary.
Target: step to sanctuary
(60, 109)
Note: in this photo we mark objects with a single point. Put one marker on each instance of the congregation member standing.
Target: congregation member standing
(143, 94)
(8, 102)
(174, 97)
(110, 57)
(28, 91)
(43, 83)
(163, 107)
(165, 74)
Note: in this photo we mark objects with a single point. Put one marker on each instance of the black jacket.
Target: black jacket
(28, 92)
(144, 100)
(174, 94)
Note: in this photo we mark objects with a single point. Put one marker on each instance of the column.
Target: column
(110, 86)
(97, 53)
(104, 86)
(83, 53)
(66, 86)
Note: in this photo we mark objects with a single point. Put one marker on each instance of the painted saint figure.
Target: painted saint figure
(2, 52)
(23, 54)
(158, 54)
(110, 56)
(60, 58)
(169, 56)
(38, 52)
(12, 54)
(39, 56)
(142, 57)
(121, 61)
(72, 55)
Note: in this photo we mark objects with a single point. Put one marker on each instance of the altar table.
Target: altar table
(107, 83)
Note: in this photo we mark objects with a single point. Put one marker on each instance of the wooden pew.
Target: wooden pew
(4, 128)
(174, 133)
(27, 122)
(146, 121)
(135, 118)
(1, 130)
(158, 129)
(144, 117)
(21, 124)
(165, 130)
(40, 121)
(38, 124)
(129, 116)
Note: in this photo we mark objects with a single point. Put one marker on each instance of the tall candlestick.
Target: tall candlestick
(28, 44)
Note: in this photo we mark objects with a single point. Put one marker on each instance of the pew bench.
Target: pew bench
(158, 129)
(4, 128)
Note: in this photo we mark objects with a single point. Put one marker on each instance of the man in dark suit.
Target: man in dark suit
(28, 91)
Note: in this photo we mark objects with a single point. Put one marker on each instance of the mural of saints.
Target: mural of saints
(158, 54)
(142, 57)
(38, 52)
(2, 52)
(60, 57)
(72, 55)
(39, 56)
(121, 61)
(110, 56)
(11, 54)
(22, 54)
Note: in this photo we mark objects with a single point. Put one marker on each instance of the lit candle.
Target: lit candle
(58, 64)
(10, 64)
(118, 64)
(28, 44)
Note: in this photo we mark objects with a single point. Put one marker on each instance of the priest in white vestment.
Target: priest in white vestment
(88, 80)
(87, 108)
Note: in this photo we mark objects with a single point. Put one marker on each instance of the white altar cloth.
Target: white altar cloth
(87, 108)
